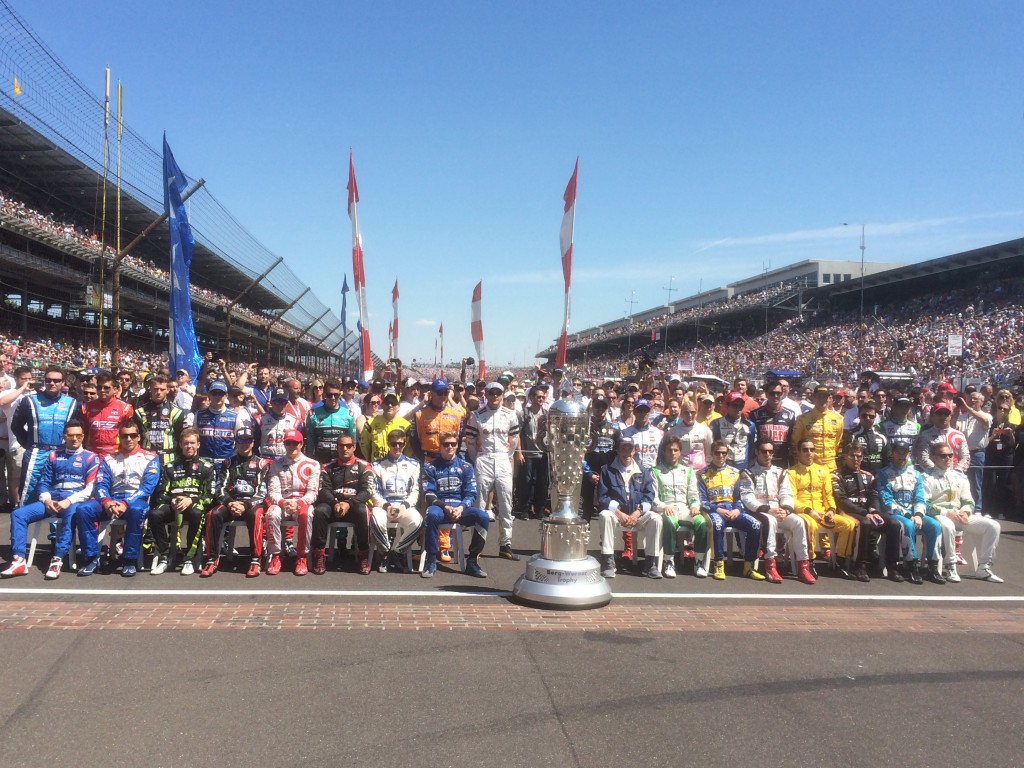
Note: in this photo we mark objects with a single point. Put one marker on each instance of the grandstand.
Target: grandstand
(909, 312)
(52, 233)
(752, 305)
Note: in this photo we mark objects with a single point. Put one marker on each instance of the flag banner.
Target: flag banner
(565, 242)
(358, 276)
(394, 322)
(476, 328)
(440, 335)
(184, 350)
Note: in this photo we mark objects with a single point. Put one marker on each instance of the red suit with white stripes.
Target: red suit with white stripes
(292, 486)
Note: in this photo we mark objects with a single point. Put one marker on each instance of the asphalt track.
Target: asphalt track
(394, 670)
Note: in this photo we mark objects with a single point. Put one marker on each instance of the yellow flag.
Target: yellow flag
(17, 87)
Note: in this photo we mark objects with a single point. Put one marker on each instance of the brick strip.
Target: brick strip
(508, 616)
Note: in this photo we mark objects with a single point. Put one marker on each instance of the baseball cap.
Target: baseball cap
(217, 386)
(278, 394)
(439, 385)
(707, 397)
(941, 407)
(292, 436)
(946, 387)
(627, 441)
(822, 389)
(494, 385)
(734, 397)
(599, 401)
(245, 433)
(390, 396)
(642, 403)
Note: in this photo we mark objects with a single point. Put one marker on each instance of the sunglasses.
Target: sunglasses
(374, 402)
(397, 444)
(449, 445)
(49, 380)
(347, 446)
(129, 435)
(332, 395)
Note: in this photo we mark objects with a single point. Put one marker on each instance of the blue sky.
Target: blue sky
(714, 139)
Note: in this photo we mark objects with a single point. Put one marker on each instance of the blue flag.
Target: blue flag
(344, 320)
(184, 351)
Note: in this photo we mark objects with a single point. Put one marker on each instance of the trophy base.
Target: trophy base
(563, 584)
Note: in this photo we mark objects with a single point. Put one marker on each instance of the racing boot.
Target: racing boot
(627, 545)
(319, 562)
(803, 572)
(934, 572)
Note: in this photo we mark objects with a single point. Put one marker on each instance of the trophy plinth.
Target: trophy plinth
(563, 575)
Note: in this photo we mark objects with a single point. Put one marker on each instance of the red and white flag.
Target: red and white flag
(565, 241)
(476, 328)
(358, 275)
(391, 340)
(394, 323)
(440, 336)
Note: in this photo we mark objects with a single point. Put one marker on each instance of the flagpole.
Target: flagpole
(115, 360)
(565, 238)
(103, 215)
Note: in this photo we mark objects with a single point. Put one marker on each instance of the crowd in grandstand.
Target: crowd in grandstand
(703, 312)
(911, 336)
(63, 233)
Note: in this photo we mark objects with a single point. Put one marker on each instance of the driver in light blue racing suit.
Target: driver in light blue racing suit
(38, 425)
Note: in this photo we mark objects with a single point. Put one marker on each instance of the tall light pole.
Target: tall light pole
(668, 306)
(862, 273)
(629, 322)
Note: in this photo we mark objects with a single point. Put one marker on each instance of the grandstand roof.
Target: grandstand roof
(977, 258)
(41, 171)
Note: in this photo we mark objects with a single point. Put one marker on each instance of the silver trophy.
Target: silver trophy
(563, 575)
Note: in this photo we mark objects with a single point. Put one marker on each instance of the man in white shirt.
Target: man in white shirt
(975, 423)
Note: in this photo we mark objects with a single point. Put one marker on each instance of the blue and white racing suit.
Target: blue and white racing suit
(38, 425)
(66, 476)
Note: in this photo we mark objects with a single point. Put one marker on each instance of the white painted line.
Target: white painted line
(776, 596)
(449, 593)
